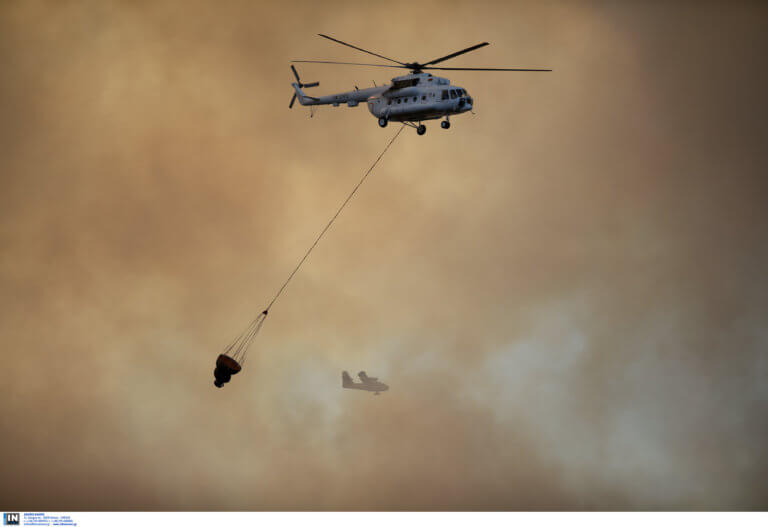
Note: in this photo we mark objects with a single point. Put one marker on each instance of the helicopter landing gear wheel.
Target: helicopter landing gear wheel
(383, 122)
(445, 124)
(421, 129)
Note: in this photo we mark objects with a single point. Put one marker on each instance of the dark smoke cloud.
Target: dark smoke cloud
(566, 292)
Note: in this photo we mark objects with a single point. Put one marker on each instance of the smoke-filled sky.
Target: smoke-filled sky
(566, 292)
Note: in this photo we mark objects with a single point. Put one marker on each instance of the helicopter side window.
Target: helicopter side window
(453, 94)
(445, 94)
(414, 99)
(423, 97)
(389, 102)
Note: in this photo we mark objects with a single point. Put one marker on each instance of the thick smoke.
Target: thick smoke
(566, 292)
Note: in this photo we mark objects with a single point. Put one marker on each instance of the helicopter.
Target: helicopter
(409, 99)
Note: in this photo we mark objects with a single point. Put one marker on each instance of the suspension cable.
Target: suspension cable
(239, 347)
(328, 226)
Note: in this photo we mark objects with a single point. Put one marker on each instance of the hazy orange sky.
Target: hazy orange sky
(566, 292)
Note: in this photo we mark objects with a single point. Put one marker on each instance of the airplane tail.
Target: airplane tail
(346, 380)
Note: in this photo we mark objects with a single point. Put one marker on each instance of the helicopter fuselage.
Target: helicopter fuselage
(410, 98)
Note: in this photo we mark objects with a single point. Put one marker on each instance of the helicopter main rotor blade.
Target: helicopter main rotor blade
(360, 49)
(350, 63)
(296, 74)
(293, 99)
(441, 59)
(311, 85)
(485, 69)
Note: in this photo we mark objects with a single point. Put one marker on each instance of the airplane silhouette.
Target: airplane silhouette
(370, 384)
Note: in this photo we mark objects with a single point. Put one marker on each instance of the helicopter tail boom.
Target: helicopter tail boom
(304, 99)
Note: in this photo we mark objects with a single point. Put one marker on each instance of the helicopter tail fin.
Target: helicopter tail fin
(346, 380)
(299, 94)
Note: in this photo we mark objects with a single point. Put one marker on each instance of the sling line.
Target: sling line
(239, 347)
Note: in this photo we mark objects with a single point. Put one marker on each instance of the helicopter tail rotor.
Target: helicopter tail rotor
(298, 85)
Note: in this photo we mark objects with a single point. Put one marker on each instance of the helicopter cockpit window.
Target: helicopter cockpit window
(453, 94)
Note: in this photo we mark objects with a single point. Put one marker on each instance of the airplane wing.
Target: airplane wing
(364, 377)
